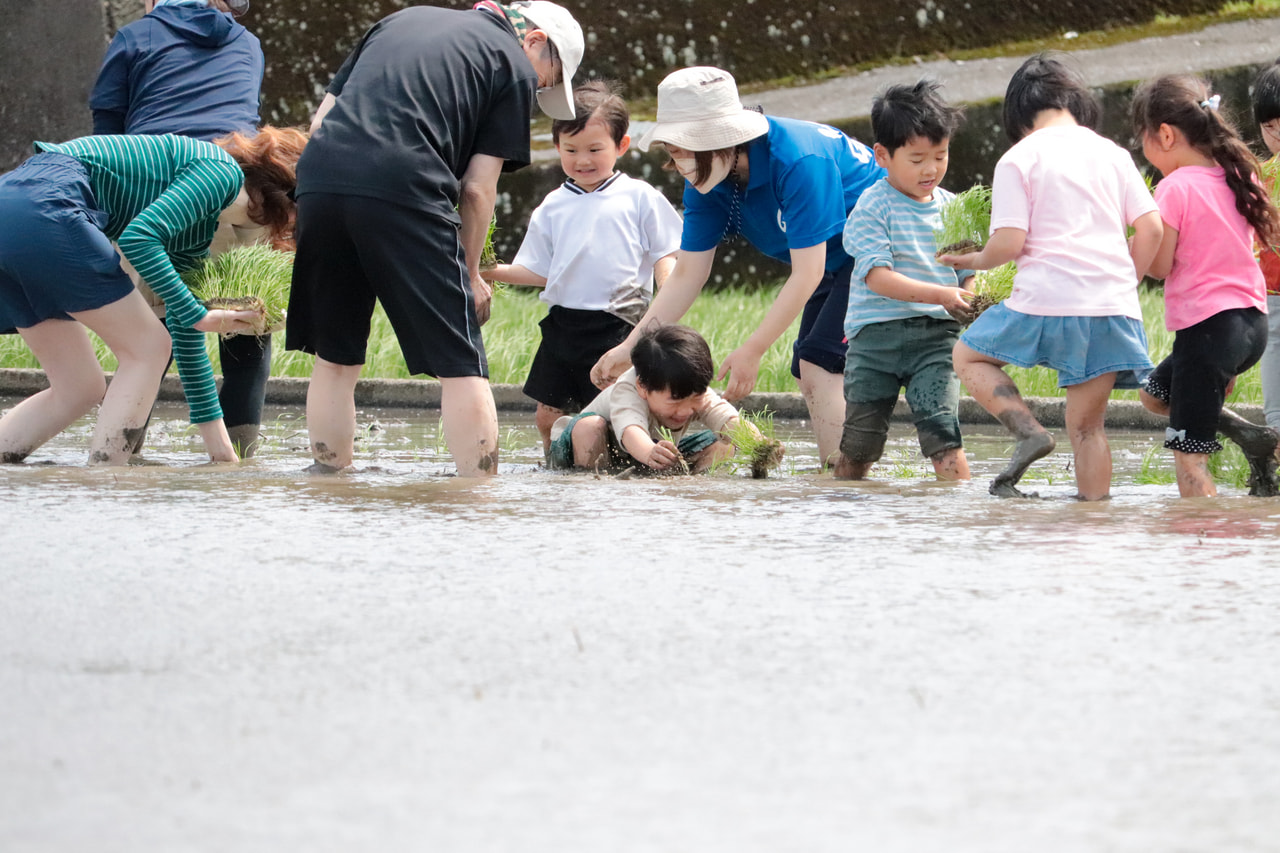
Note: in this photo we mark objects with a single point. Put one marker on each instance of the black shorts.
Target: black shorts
(572, 341)
(821, 337)
(353, 250)
(1193, 380)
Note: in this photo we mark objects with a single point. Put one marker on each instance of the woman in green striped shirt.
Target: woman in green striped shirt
(160, 198)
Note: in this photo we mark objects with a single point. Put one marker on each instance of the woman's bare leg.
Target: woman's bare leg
(823, 394)
(141, 345)
(76, 385)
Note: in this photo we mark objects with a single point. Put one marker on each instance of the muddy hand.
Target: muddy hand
(662, 456)
(958, 306)
(960, 262)
(611, 365)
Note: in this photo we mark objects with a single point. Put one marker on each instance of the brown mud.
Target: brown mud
(236, 303)
(1259, 444)
(963, 247)
(766, 456)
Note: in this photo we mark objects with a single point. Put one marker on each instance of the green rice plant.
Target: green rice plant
(682, 464)
(964, 222)
(245, 278)
(1157, 468)
(489, 258)
(756, 441)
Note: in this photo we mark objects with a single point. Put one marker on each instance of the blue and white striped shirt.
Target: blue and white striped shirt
(887, 228)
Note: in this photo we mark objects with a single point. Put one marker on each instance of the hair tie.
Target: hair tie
(1211, 103)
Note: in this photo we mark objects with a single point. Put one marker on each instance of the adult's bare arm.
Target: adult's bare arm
(479, 191)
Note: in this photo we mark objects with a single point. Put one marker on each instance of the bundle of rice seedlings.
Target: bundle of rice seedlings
(246, 278)
(757, 444)
(990, 287)
(488, 258)
(963, 224)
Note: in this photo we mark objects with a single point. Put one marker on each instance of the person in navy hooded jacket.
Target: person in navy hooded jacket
(187, 67)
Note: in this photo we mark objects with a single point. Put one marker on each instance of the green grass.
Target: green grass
(724, 318)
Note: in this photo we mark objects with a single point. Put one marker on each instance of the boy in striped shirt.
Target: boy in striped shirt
(905, 308)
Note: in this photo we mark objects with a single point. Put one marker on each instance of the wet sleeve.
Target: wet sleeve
(109, 100)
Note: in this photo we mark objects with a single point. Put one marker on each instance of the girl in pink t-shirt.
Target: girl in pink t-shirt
(1214, 293)
(1061, 198)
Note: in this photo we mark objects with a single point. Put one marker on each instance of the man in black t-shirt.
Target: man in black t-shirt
(395, 193)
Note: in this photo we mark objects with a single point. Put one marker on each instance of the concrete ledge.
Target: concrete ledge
(425, 394)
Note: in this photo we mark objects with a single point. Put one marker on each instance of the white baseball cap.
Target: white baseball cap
(699, 110)
(563, 32)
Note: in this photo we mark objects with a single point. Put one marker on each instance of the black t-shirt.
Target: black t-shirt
(424, 90)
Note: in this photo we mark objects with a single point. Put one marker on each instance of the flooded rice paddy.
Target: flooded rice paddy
(250, 658)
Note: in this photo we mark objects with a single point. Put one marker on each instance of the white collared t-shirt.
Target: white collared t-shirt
(597, 249)
(1073, 192)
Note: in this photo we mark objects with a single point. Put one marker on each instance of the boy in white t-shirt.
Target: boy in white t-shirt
(597, 244)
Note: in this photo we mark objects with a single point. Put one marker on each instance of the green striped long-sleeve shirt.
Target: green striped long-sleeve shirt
(162, 196)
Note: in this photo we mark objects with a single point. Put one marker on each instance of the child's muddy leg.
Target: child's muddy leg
(950, 464)
(591, 442)
(1194, 479)
(995, 391)
(1086, 426)
(866, 427)
(545, 417)
(1259, 444)
(718, 451)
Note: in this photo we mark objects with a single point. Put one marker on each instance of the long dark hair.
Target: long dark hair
(1182, 101)
(269, 160)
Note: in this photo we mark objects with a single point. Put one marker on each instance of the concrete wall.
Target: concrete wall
(49, 56)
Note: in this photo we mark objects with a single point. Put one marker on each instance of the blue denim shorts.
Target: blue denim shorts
(1079, 348)
(820, 339)
(55, 259)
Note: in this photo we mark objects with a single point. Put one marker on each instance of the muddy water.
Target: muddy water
(196, 658)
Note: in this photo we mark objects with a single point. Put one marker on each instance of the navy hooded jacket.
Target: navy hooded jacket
(181, 69)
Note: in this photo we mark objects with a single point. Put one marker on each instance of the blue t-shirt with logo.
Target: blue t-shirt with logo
(805, 178)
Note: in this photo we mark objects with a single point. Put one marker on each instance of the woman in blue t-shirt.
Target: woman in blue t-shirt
(787, 186)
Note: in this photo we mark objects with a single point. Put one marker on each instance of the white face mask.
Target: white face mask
(720, 169)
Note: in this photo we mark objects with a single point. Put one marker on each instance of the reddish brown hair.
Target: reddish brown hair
(269, 160)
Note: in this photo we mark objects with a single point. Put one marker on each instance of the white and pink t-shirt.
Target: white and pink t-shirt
(1073, 192)
(1214, 267)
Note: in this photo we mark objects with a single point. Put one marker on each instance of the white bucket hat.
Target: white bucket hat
(699, 110)
(566, 35)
